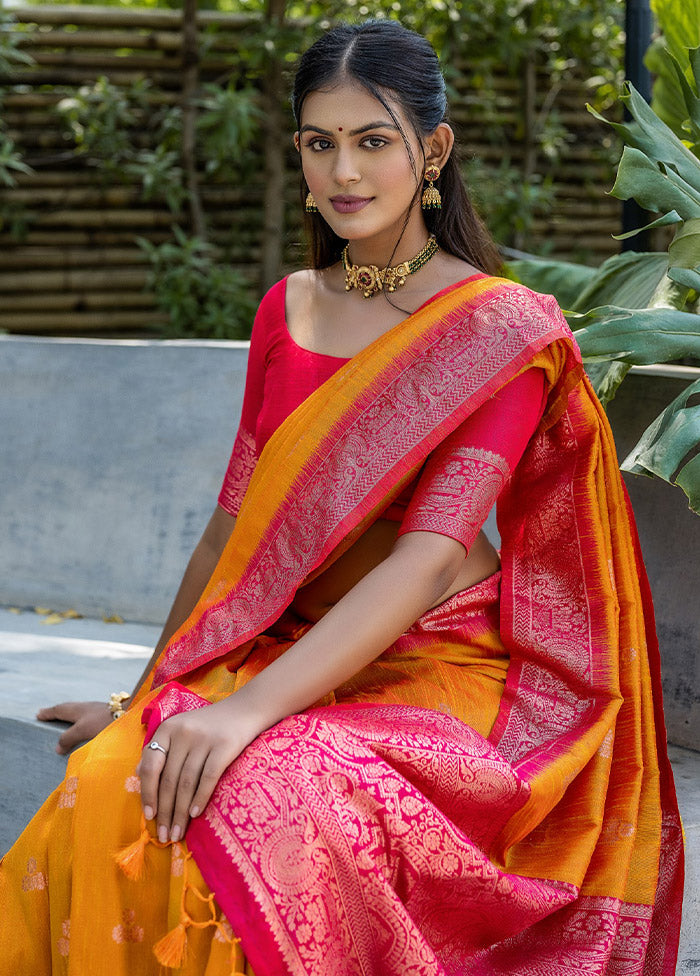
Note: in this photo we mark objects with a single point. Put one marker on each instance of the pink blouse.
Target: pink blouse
(459, 482)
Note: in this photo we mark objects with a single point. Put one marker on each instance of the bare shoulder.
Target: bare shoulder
(299, 285)
(450, 270)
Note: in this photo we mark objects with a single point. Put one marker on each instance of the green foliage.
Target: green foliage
(102, 117)
(679, 21)
(160, 175)
(202, 297)
(629, 280)
(509, 203)
(668, 447)
(642, 309)
(559, 33)
(11, 55)
(227, 126)
(563, 279)
(10, 160)
(107, 122)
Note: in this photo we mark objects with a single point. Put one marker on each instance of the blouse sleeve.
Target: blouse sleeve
(465, 474)
(244, 456)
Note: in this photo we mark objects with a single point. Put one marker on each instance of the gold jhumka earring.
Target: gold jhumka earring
(431, 195)
(310, 205)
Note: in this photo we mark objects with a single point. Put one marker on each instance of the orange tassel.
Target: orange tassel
(170, 950)
(132, 859)
(236, 956)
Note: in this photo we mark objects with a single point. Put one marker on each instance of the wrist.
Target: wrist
(116, 703)
(242, 709)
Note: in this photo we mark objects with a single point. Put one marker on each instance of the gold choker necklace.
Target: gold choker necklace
(370, 279)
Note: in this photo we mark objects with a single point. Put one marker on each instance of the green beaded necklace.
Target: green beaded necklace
(370, 279)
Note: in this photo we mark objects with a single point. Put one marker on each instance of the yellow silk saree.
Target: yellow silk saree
(491, 796)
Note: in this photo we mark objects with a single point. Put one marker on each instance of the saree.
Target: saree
(492, 795)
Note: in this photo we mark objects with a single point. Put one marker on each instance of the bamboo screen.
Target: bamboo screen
(69, 264)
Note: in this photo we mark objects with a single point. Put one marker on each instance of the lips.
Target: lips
(345, 204)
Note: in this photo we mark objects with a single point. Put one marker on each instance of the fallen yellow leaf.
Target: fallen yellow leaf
(14, 610)
(42, 610)
(113, 619)
(52, 618)
(71, 615)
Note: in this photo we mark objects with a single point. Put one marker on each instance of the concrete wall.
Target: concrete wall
(111, 457)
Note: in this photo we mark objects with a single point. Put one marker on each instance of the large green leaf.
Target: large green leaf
(679, 20)
(669, 447)
(606, 377)
(655, 186)
(627, 280)
(689, 480)
(654, 138)
(665, 221)
(687, 277)
(669, 101)
(684, 250)
(563, 279)
(639, 337)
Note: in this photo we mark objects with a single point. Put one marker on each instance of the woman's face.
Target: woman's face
(357, 166)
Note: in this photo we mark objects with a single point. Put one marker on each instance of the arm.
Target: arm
(460, 483)
(200, 744)
(89, 718)
(199, 569)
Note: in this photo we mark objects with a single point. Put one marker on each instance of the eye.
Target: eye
(319, 144)
(374, 142)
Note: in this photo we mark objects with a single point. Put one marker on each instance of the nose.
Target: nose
(345, 169)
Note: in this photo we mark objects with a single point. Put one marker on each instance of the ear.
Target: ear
(438, 145)
(296, 141)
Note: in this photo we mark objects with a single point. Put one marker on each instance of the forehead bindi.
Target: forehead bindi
(345, 109)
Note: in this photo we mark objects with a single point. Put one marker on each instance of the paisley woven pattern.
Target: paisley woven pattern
(458, 359)
(238, 473)
(576, 726)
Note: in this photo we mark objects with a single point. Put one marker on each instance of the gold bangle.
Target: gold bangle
(116, 703)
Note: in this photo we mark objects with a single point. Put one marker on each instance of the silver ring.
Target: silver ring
(156, 745)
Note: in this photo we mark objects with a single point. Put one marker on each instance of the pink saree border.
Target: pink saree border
(444, 373)
(555, 740)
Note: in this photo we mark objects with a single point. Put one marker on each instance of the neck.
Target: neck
(382, 253)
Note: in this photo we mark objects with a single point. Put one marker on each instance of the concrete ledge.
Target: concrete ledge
(42, 665)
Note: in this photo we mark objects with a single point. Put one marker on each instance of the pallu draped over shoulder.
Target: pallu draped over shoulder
(491, 796)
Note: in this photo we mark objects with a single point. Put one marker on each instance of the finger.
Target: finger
(208, 779)
(65, 712)
(149, 770)
(167, 789)
(186, 788)
(70, 738)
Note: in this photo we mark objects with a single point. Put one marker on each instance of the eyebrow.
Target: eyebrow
(354, 132)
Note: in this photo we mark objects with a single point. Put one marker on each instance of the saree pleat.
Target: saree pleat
(490, 796)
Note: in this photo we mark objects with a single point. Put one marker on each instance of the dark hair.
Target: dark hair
(387, 58)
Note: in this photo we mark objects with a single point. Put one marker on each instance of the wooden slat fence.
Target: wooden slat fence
(75, 268)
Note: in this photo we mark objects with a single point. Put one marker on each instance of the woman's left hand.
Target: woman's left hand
(178, 783)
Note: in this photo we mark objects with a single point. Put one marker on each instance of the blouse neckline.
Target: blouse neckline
(346, 359)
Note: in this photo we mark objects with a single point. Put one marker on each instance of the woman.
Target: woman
(387, 750)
